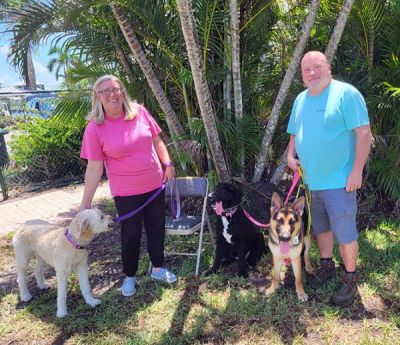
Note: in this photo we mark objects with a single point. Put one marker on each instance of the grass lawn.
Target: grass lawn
(220, 309)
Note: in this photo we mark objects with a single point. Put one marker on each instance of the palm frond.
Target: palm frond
(72, 108)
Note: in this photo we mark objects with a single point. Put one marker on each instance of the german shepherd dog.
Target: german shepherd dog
(286, 241)
(236, 235)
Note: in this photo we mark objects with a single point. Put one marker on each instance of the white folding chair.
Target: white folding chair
(193, 187)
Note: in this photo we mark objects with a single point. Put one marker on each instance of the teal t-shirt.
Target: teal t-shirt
(324, 137)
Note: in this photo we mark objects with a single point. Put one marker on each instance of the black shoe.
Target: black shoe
(325, 273)
(349, 290)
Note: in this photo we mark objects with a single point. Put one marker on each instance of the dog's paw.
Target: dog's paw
(93, 302)
(209, 272)
(309, 269)
(26, 297)
(61, 312)
(302, 297)
(44, 286)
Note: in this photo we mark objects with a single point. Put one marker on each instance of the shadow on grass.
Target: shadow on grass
(223, 308)
(176, 332)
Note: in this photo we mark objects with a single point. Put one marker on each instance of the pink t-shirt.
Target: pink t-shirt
(126, 147)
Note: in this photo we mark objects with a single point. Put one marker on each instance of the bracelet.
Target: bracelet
(168, 164)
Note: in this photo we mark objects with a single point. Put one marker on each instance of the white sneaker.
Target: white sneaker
(164, 275)
(128, 286)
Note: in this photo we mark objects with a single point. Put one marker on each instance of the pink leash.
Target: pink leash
(251, 219)
(296, 178)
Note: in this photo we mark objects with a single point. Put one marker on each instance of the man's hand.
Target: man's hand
(293, 163)
(363, 146)
(354, 181)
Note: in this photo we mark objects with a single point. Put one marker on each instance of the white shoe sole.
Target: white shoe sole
(128, 294)
(163, 280)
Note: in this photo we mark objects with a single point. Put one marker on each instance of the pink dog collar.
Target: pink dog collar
(72, 240)
(220, 211)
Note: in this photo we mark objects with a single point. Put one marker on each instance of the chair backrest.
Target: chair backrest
(189, 187)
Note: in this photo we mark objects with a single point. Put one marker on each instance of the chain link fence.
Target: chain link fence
(36, 153)
(19, 101)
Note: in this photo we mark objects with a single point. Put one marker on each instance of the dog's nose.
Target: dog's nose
(284, 239)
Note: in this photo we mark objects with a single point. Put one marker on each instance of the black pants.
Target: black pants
(153, 217)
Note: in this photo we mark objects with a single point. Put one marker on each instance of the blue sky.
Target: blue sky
(9, 76)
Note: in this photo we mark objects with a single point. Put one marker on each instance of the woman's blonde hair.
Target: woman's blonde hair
(97, 112)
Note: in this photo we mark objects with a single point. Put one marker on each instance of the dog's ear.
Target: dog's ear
(235, 193)
(276, 203)
(298, 205)
(84, 227)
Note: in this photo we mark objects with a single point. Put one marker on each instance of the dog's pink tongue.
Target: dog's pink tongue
(218, 208)
(284, 247)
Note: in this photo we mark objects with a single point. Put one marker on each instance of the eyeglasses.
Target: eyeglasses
(108, 92)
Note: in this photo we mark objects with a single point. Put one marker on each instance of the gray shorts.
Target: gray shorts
(334, 209)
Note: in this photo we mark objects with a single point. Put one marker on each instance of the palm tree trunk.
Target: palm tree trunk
(122, 58)
(280, 169)
(235, 48)
(140, 57)
(237, 84)
(338, 30)
(371, 49)
(227, 83)
(30, 75)
(200, 83)
(287, 81)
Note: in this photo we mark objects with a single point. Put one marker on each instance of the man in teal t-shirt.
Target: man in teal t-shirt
(330, 133)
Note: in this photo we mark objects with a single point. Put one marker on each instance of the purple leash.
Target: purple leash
(148, 201)
(175, 203)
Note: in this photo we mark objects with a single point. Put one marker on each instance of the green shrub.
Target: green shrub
(6, 121)
(44, 150)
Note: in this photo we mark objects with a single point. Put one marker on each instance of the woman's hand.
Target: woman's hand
(84, 207)
(169, 172)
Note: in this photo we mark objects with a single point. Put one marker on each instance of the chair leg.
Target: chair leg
(210, 231)
(199, 251)
(198, 262)
(150, 267)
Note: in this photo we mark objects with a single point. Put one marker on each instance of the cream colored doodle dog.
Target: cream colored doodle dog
(63, 248)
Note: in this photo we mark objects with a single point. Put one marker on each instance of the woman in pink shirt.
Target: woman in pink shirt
(122, 136)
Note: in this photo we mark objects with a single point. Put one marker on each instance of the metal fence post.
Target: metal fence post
(4, 159)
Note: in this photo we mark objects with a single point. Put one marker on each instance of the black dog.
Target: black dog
(236, 235)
